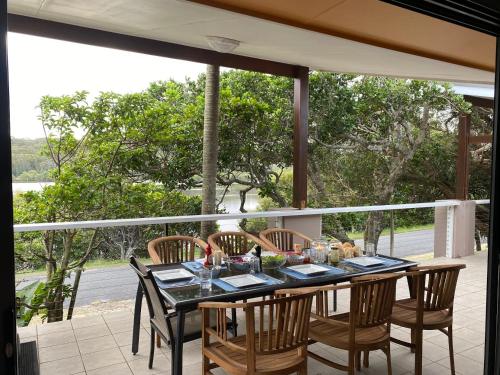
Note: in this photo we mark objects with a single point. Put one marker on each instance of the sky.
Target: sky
(41, 66)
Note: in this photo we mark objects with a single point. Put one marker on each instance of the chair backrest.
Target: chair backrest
(284, 239)
(232, 243)
(156, 305)
(280, 324)
(372, 299)
(437, 286)
(174, 249)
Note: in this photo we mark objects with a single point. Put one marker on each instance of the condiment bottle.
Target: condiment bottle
(208, 256)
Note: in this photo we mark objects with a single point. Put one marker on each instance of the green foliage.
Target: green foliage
(27, 297)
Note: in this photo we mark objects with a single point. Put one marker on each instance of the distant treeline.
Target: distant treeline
(28, 163)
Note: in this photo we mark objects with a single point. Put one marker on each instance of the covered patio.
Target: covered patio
(101, 344)
(273, 42)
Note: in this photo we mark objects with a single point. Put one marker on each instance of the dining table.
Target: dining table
(184, 299)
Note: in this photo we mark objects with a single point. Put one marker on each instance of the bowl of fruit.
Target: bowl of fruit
(271, 260)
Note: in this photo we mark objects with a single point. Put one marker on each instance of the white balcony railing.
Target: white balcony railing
(232, 216)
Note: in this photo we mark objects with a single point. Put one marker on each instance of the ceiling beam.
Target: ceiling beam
(100, 38)
(477, 101)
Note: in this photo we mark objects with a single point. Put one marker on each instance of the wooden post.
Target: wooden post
(462, 171)
(391, 247)
(301, 114)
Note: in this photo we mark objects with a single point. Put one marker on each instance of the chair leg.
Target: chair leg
(389, 362)
(366, 359)
(358, 361)
(412, 340)
(205, 365)
(152, 348)
(418, 351)
(158, 341)
(303, 368)
(351, 364)
(452, 355)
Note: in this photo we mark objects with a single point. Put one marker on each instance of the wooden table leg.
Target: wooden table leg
(179, 341)
(137, 320)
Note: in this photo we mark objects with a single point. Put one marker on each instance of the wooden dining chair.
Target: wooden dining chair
(275, 341)
(175, 249)
(163, 322)
(234, 243)
(280, 239)
(366, 327)
(430, 307)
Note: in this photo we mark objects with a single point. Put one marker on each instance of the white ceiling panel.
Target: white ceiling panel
(187, 23)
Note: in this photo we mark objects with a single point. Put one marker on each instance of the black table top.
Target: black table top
(188, 297)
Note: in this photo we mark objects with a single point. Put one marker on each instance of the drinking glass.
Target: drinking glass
(254, 264)
(319, 249)
(369, 249)
(205, 276)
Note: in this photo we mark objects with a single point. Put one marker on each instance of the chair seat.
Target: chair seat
(338, 335)
(404, 317)
(192, 323)
(266, 364)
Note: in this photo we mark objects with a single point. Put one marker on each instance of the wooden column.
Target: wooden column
(462, 171)
(301, 114)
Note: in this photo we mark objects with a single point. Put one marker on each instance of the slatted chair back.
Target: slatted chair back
(174, 249)
(372, 299)
(156, 305)
(233, 243)
(284, 239)
(274, 326)
(438, 285)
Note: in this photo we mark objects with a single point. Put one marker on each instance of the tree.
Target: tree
(365, 131)
(89, 184)
(210, 148)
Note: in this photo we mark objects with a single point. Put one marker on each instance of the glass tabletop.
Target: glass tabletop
(188, 297)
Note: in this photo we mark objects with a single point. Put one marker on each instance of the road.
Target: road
(120, 283)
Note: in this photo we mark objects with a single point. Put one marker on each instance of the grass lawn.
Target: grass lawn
(386, 232)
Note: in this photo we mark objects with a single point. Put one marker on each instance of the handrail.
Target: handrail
(215, 217)
(482, 201)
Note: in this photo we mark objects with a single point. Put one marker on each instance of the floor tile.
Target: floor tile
(117, 369)
(56, 338)
(92, 332)
(97, 344)
(102, 358)
(53, 353)
(67, 366)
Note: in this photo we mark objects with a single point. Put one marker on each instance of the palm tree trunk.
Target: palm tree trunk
(210, 148)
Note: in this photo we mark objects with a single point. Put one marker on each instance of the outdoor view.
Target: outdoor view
(100, 150)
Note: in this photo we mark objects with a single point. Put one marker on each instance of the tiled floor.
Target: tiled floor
(100, 344)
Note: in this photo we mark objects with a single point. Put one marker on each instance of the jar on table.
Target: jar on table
(319, 250)
(334, 256)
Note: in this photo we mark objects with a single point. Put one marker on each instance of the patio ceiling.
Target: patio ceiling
(322, 39)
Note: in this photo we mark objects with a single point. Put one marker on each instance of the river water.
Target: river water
(231, 202)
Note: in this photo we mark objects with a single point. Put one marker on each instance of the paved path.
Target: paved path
(120, 283)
